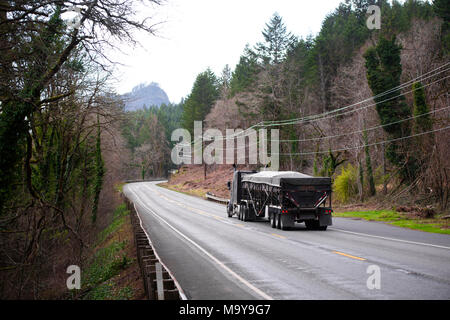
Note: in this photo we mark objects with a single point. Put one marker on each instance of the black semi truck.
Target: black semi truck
(285, 197)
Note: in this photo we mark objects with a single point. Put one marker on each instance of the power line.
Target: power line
(373, 97)
(345, 134)
(367, 129)
(354, 147)
(351, 111)
(364, 145)
(323, 116)
(354, 110)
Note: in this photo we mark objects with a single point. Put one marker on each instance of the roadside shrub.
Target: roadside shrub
(379, 177)
(345, 185)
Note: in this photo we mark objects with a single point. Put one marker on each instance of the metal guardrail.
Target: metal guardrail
(146, 180)
(158, 282)
(212, 197)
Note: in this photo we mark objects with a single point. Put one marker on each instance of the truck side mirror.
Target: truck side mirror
(229, 185)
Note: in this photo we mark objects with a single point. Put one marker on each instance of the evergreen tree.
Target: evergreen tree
(383, 73)
(423, 121)
(204, 94)
(277, 41)
(442, 10)
(245, 72)
(225, 79)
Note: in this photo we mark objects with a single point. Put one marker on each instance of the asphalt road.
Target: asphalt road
(216, 257)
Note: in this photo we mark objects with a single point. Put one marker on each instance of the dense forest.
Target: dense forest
(147, 133)
(368, 108)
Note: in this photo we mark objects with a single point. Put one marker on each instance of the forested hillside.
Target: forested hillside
(147, 134)
(366, 107)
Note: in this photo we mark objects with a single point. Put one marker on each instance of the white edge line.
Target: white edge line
(217, 261)
(369, 235)
(392, 239)
(180, 290)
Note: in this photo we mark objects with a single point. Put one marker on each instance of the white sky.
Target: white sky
(199, 34)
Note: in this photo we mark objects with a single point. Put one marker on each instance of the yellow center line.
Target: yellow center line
(279, 236)
(349, 256)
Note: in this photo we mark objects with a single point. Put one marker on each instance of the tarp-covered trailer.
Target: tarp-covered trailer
(285, 197)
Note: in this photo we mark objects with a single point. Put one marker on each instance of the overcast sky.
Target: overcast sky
(198, 34)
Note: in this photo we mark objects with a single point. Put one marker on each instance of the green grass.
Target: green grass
(105, 291)
(119, 187)
(107, 262)
(435, 225)
(118, 220)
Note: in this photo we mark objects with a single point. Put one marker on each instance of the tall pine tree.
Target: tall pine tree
(204, 94)
(277, 41)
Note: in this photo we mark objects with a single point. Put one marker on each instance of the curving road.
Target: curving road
(215, 257)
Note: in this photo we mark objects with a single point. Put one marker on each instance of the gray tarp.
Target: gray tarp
(275, 178)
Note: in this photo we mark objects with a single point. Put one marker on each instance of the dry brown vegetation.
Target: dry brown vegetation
(420, 54)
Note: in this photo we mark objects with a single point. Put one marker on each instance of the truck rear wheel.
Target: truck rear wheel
(310, 224)
(273, 216)
(245, 213)
(283, 225)
(278, 220)
(229, 211)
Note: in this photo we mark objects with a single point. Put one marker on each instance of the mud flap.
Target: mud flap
(325, 220)
(288, 220)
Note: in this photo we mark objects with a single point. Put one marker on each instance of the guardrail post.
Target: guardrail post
(159, 281)
(148, 282)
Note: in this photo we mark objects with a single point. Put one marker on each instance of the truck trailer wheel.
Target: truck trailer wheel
(273, 216)
(229, 211)
(245, 213)
(278, 220)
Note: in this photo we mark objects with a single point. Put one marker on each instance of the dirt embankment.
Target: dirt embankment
(191, 179)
